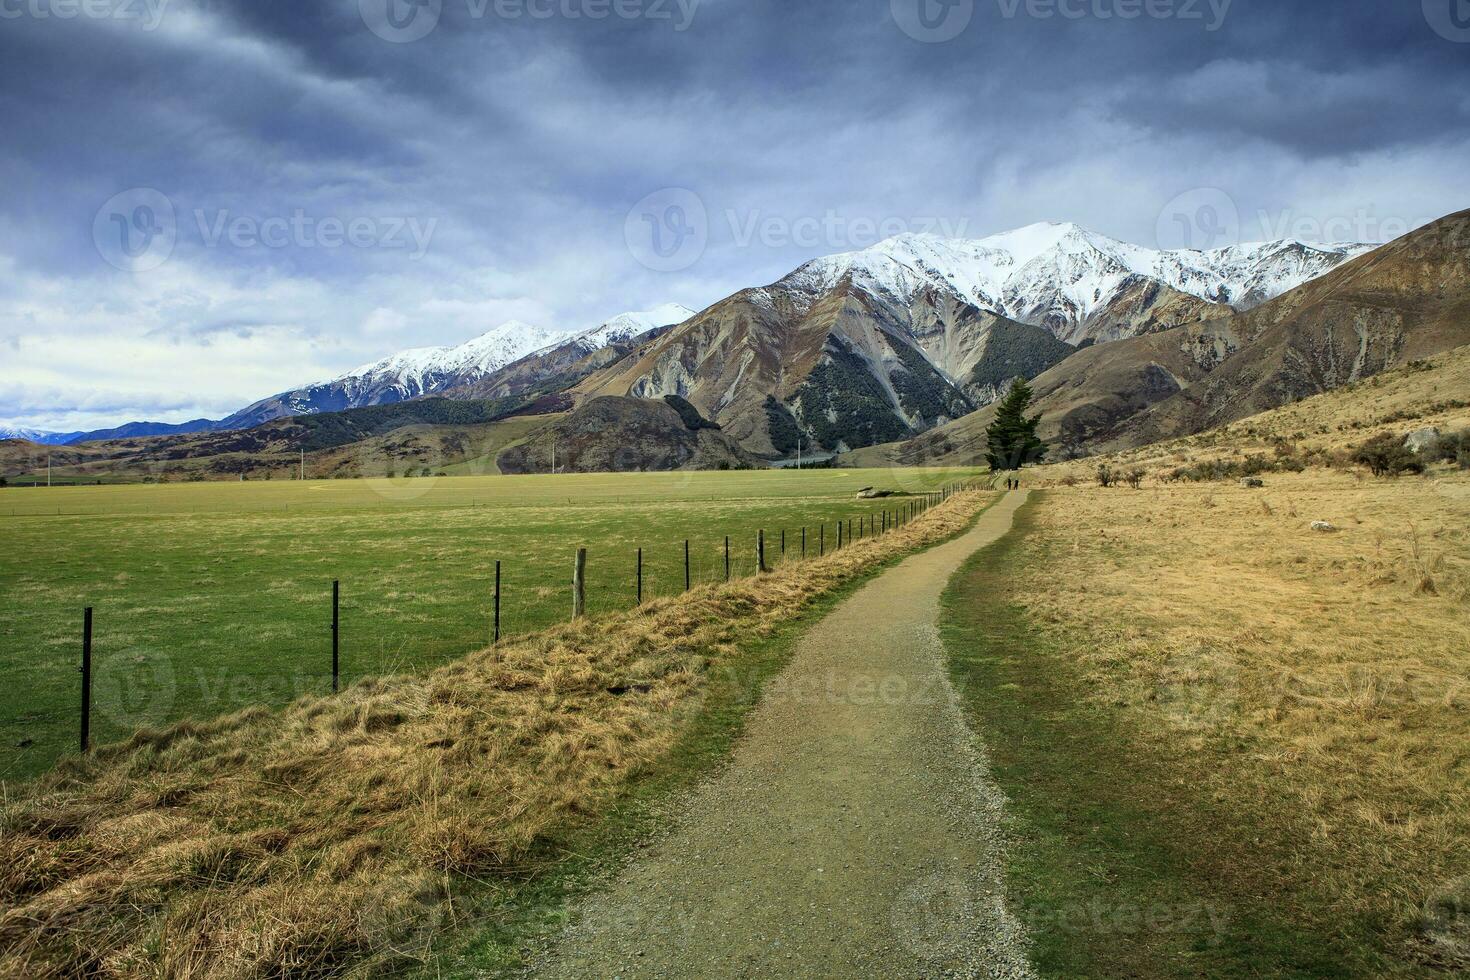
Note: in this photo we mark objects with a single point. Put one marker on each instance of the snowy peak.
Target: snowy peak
(1065, 277)
(420, 370)
(626, 326)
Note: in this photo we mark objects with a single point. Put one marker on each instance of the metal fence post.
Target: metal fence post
(336, 634)
(87, 680)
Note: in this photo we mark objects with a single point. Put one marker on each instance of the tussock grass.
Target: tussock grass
(1315, 684)
(334, 834)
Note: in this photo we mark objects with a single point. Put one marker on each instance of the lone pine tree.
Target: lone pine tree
(1011, 438)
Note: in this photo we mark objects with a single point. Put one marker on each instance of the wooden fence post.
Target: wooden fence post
(686, 564)
(783, 542)
(579, 585)
(727, 558)
(336, 634)
(87, 680)
(760, 551)
(821, 540)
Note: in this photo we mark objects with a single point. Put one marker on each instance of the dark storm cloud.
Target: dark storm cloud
(521, 141)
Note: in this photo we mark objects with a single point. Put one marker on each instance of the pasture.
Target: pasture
(209, 597)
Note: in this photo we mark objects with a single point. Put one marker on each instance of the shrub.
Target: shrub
(1451, 447)
(1385, 455)
(1106, 475)
(1134, 478)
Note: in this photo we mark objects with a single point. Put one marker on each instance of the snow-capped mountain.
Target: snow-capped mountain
(30, 435)
(878, 345)
(412, 373)
(1075, 282)
(399, 377)
(625, 326)
(455, 371)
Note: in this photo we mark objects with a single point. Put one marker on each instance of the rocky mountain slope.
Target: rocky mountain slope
(867, 347)
(1406, 300)
(611, 434)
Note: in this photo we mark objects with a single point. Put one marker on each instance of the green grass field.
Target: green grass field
(213, 596)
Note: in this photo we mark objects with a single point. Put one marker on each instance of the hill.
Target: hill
(618, 435)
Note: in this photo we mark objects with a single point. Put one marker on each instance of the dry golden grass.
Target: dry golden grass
(1434, 393)
(1322, 679)
(334, 834)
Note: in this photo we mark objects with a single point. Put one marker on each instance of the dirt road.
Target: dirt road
(855, 832)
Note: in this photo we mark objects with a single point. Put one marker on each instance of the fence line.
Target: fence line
(893, 521)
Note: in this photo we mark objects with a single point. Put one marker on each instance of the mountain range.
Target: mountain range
(914, 336)
(1404, 301)
(883, 344)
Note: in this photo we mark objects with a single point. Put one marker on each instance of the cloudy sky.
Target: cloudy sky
(208, 201)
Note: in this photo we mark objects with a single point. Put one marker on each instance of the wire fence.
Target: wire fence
(144, 690)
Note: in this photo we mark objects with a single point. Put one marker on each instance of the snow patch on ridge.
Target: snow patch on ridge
(1065, 270)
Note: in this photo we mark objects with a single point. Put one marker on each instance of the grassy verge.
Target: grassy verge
(351, 833)
(1133, 857)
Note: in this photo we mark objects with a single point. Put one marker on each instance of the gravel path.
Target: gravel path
(855, 832)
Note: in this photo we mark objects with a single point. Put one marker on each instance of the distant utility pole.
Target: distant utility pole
(303, 466)
(553, 454)
(798, 452)
(48, 470)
